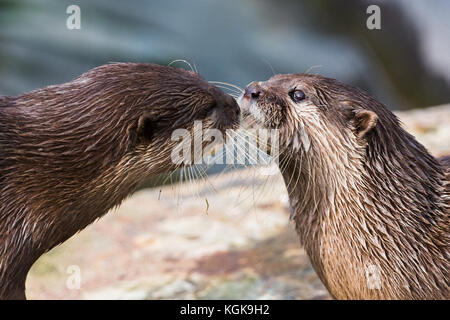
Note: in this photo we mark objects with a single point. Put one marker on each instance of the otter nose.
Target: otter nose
(233, 106)
(253, 91)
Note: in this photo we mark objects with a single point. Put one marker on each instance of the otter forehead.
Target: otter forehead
(318, 89)
(142, 75)
(288, 80)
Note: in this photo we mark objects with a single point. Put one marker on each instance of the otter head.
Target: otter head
(113, 125)
(168, 101)
(310, 111)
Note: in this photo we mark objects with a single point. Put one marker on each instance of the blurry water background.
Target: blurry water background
(405, 64)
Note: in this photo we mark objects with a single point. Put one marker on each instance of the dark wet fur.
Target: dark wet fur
(361, 197)
(71, 152)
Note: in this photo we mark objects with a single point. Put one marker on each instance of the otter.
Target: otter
(369, 203)
(71, 152)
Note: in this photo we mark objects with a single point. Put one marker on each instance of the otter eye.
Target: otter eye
(297, 95)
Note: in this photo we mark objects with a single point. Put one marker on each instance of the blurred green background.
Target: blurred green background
(405, 64)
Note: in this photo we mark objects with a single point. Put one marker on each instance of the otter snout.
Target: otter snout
(226, 104)
(253, 91)
(248, 102)
(226, 112)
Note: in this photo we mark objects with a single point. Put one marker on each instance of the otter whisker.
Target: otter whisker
(270, 65)
(298, 175)
(292, 176)
(226, 86)
(184, 61)
(240, 90)
(206, 178)
(243, 187)
(231, 92)
(195, 68)
(193, 179)
(242, 148)
(312, 67)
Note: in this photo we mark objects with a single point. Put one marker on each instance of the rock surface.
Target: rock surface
(225, 238)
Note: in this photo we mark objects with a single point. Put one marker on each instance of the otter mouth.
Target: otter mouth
(251, 114)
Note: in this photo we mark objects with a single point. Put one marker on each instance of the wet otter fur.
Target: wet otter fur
(370, 204)
(71, 152)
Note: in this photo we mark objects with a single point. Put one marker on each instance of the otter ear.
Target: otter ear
(145, 128)
(364, 121)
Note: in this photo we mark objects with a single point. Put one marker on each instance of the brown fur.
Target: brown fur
(366, 197)
(71, 152)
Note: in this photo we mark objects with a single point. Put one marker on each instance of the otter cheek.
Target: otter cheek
(256, 112)
(251, 108)
(244, 105)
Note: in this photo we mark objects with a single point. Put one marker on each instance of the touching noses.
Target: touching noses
(253, 91)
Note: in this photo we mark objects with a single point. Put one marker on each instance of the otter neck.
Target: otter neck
(367, 224)
(60, 213)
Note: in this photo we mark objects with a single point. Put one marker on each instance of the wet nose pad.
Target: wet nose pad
(253, 91)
